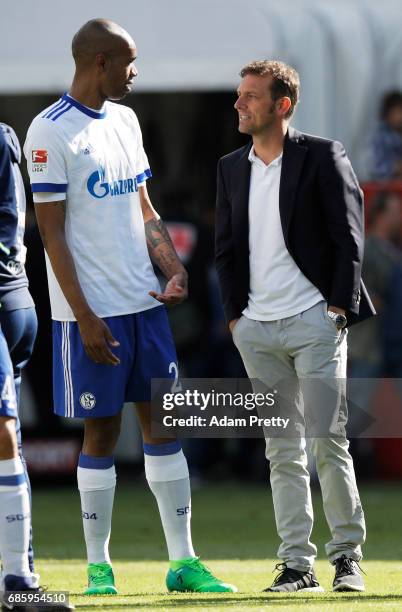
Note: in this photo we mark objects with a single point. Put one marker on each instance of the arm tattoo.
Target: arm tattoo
(161, 249)
(156, 233)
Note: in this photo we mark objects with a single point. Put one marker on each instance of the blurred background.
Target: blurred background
(190, 52)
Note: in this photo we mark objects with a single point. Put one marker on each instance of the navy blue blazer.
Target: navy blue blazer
(321, 210)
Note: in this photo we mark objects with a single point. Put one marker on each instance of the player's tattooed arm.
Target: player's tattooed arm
(163, 254)
(161, 248)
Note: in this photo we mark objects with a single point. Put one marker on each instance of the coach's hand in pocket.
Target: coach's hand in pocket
(232, 325)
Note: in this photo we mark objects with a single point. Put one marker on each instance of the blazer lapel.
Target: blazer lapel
(292, 162)
(241, 188)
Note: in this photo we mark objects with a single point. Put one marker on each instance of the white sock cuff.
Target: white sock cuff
(165, 468)
(12, 475)
(11, 467)
(96, 480)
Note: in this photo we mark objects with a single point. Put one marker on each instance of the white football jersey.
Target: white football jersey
(96, 162)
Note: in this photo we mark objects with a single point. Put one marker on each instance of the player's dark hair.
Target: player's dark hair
(285, 80)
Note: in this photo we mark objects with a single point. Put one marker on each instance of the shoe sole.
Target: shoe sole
(194, 591)
(318, 589)
(348, 588)
(102, 591)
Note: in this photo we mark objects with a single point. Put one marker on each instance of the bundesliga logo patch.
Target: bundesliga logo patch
(39, 160)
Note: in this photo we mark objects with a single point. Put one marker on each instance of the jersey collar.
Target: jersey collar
(84, 109)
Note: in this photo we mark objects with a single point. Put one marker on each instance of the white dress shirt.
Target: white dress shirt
(278, 288)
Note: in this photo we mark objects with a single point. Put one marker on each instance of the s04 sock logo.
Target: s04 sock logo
(183, 511)
(92, 516)
(11, 518)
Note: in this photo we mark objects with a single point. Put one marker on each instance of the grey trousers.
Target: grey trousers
(306, 346)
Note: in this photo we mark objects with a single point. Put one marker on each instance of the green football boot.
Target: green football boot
(100, 580)
(190, 575)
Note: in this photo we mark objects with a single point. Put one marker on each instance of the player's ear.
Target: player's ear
(100, 61)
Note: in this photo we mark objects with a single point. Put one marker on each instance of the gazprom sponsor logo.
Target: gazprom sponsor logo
(99, 188)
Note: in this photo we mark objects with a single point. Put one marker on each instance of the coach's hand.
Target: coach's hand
(96, 338)
(232, 325)
(175, 291)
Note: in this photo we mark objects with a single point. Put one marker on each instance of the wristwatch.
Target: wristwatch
(339, 319)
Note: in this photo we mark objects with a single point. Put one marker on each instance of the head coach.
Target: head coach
(289, 249)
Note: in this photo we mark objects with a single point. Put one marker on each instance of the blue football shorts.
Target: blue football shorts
(85, 389)
(8, 400)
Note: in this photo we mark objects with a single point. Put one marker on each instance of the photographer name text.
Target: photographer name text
(251, 420)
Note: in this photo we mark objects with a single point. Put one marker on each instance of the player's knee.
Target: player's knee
(101, 435)
(8, 438)
(144, 414)
(146, 432)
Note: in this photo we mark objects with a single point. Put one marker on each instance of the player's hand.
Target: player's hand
(232, 325)
(175, 291)
(96, 338)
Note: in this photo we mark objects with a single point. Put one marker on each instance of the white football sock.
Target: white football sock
(15, 518)
(169, 481)
(97, 487)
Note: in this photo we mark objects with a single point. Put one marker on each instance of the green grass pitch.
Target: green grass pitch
(233, 532)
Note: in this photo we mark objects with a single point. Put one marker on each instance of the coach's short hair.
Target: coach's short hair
(285, 79)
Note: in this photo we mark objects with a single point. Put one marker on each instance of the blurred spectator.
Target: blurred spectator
(382, 265)
(386, 146)
(375, 346)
